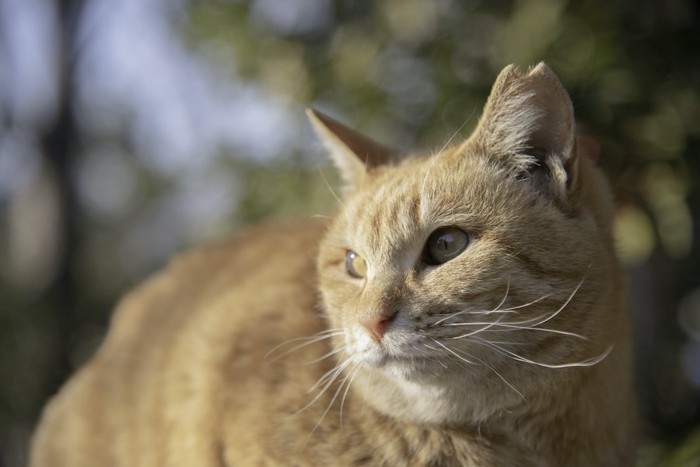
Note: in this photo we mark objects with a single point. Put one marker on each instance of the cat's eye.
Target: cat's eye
(355, 265)
(445, 244)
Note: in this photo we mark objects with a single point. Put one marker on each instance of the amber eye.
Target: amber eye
(445, 244)
(356, 266)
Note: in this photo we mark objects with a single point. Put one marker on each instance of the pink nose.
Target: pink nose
(376, 323)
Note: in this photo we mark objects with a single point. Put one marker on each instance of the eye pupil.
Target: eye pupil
(445, 244)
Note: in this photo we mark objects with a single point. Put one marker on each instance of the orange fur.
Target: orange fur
(254, 352)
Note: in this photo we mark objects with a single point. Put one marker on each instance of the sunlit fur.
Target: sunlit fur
(516, 352)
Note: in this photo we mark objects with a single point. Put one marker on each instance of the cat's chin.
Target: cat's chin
(418, 391)
(397, 362)
(400, 367)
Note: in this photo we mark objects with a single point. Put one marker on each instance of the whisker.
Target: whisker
(452, 352)
(467, 311)
(457, 352)
(336, 371)
(512, 309)
(434, 357)
(543, 318)
(325, 412)
(566, 303)
(476, 323)
(495, 372)
(324, 356)
(512, 327)
(330, 188)
(487, 312)
(505, 297)
(329, 376)
(524, 305)
(450, 316)
(347, 388)
(584, 363)
(482, 329)
(308, 340)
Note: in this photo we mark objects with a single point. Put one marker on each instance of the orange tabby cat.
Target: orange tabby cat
(463, 308)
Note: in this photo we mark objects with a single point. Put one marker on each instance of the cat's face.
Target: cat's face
(447, 260)
(472, 262)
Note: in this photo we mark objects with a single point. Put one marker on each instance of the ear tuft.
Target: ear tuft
(353, 153)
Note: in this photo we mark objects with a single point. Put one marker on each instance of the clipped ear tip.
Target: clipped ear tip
(542, 70)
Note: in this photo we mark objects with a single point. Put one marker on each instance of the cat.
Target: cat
(464, 307)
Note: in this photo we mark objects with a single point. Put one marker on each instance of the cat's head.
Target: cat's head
(480, 260)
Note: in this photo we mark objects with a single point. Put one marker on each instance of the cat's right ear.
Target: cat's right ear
(353, 153)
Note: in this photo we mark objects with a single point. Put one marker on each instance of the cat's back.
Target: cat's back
(153, 391)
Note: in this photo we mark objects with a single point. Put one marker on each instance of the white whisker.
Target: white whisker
(329, 376)
(505, 297)
(484, 312)
(452, 352)
(487, 312)
(324, 356)
(335, 372)
(510, 327)
(347, 389)
(307, 340)
(524, 305)
(330, 188)
(328, 408)
(497, 374)
(456, 354)
(584, 363)
(482, 329)
(543, 318)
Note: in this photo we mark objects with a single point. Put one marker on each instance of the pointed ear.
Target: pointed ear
(353, 153)
(528, 120)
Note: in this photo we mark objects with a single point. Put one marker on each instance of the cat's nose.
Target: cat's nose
(376, 323)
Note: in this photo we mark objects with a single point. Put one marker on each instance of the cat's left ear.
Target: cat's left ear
(353, 153)
(528, 121)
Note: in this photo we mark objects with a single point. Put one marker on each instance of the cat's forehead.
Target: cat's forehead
(399, 204)
(433, 183)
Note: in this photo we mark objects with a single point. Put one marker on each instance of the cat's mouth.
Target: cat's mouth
(392, 355)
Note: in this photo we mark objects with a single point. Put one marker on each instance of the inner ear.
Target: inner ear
(553, 132)
(552, 172)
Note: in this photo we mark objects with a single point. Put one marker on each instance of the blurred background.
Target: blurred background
(132, 129)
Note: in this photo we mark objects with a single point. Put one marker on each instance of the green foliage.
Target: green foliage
(410, 72)
(266, 193)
